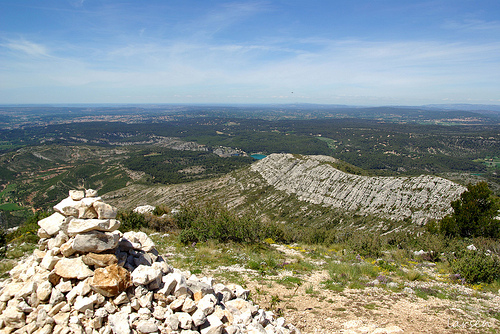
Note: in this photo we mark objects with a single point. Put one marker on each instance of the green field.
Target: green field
(490, 162)
(10, 207)
(332, 144)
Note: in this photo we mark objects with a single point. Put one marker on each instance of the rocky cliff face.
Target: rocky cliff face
(305, 187)
(314, 179)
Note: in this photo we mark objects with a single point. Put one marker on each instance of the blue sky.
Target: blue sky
(373, 52)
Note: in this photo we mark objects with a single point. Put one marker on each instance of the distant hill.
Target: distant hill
(481, 108)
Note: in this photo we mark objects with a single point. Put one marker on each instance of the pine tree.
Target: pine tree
(475, 214)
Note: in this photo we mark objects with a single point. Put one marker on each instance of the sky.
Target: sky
(355, 52)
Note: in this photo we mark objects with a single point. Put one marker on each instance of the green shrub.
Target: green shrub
(487, 244)
(161, 210)
(365, 244)
(131, 220)
(476, 266)
(474, 214)
(188, 236)
(212, 221)
(432, 244)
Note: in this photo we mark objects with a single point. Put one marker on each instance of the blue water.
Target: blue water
(258, 156)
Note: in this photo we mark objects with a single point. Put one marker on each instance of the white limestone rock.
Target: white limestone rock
(83, 303)
(67, 249)
(105, 211)
(68, 207)
(71, 268)
(169, 283)
(96, 241)
(239, 291)
(207, 304)
(137, 240)
(199, 289)
(177, 304)
(14, 318)
(144, 209)
(90, 193)
(57, 241)
(213, 325)
(147, 326)
(314, 179)
(119, 323)
(143, 275)
(49, 260)
(52, 224)
(27, 289)
(189, 306)
(185, 320)
(43, 291)
(172, 321)
(77, 226)
(199, 317)
(76, 195)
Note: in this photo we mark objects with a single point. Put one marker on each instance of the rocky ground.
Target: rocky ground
(429, 304)
(377, 310)
(86, 277)
(131, 285)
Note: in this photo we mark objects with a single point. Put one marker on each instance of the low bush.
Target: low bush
(3, 244)
(213, 221)
(161, 210)
(131, 220)
(474, 214)
(475, 266)
(365, 244)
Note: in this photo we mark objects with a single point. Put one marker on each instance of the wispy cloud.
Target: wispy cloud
(112, 49)
(222, 17)
(26, 47)
(473, 25)
(77, 3)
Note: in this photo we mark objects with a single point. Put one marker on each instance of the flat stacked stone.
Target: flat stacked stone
(89, 278)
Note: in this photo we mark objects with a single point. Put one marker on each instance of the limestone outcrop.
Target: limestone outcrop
(87, 277)
(315, 179)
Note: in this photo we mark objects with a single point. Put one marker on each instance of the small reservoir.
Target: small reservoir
(258, 156)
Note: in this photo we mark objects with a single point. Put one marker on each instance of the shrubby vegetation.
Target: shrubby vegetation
(26, 233)
(131, 220)
(475, 266)
(212, 221)
(475, 214)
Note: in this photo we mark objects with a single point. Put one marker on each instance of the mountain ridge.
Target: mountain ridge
(306, 185)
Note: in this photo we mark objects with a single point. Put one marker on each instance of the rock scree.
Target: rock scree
(87, 277)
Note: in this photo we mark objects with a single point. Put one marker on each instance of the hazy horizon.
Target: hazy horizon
(363, 53)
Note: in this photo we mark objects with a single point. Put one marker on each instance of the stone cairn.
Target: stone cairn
(87, 277)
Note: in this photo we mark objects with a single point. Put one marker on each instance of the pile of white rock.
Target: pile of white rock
(89, 278)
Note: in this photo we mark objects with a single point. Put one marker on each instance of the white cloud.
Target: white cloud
(26, 47)
(332, 71)
(473, 25)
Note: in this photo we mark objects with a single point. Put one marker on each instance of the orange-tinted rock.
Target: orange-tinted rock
(99, 260)
(110, 281)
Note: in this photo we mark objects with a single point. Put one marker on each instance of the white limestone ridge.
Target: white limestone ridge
(314, 179)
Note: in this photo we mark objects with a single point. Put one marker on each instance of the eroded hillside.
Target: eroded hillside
(285, 187)
(314, 179)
